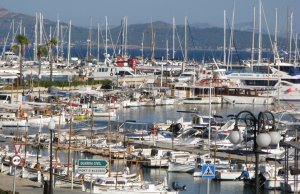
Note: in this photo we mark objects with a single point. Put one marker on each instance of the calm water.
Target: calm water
(161, 114)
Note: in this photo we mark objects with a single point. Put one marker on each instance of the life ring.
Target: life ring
(111, 74)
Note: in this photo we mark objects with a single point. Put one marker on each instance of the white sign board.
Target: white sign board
(92, 170)
(91, 166)
(16, 160)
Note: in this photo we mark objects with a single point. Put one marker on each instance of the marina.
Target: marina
(115, 113)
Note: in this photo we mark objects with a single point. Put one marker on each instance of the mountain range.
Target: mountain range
(200, 36)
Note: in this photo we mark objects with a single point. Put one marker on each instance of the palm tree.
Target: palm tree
(23, 41)
(41, 52)
(51, 44)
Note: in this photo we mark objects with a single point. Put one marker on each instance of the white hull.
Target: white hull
(156, 162)
(44, 120)
(203, 100)
(230, 175)
(105, 114)
(248, 100)
(180, 167)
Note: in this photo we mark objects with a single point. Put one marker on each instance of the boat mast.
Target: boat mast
(276, 56)
(259, 34)
(125, 38)
(41, 29)
(185, 44)
(173, 39)
(291, 35)
(13, 32)
(98, 42)
(153, 43)
(69, 43)
(57, 38)
(296, 49)
(167, 49)
(224, 46)
(90, 37)
(106, 26)
(229, 62)
(253, 38)
(142, 44)
(35, 37)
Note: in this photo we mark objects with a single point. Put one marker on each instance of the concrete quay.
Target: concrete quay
(25, 186)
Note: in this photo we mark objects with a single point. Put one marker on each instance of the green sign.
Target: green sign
(90, 166)
(92, 163)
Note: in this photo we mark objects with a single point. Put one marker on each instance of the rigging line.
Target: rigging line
(102, 37)
(234, 45)
(112, 43)
(5, 41)
(193, 42)
(180, 43)
(263, 10)
(119, 36)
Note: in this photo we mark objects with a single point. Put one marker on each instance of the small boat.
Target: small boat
(104, 113)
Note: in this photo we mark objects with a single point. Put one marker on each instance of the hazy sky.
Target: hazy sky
(142, 11)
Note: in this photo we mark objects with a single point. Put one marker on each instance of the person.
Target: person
(244, 175)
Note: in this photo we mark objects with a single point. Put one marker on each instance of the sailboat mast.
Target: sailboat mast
(259, 33)
(276, 56)
(291, 37)
(106, 26)
(125, 38)
(253, 38)
(90, 37)
(35, 37)
(57, 38)
(224, 44)
(98, 42)
(173, 39)
(142, 44)
(13, 32)
(185, 42)
(41, 29)
(229, 60)
(69, 42)
(167, 50)
(296, 49)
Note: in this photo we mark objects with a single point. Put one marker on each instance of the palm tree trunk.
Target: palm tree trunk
(51, 65)
(21, 81)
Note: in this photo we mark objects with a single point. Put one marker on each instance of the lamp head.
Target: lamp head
(51, 124)
(235, 137)
(275, 137)
(263, 139)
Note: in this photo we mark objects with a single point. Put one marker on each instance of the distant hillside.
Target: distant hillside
(200, 36)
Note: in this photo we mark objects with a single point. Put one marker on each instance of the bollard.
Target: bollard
(46, 187)
(39, 176)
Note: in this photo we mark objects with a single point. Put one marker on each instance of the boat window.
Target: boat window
(181, 156)
(3, 97)
(109, 182)
(121, 182)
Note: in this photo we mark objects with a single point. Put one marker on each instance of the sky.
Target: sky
(143, 11)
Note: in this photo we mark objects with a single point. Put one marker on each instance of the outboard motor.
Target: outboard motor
(176, 187)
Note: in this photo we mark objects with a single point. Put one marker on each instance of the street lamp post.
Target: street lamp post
(51, 127)
(264, 134)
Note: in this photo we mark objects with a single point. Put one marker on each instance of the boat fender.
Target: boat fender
(176, 187)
